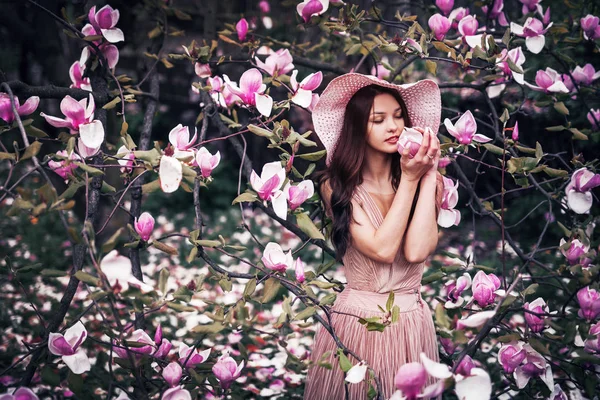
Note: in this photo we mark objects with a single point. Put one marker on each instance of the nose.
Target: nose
(392, 125)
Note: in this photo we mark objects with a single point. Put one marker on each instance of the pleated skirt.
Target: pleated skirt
(400, 343)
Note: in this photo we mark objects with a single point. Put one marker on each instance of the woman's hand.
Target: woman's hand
(424, 163)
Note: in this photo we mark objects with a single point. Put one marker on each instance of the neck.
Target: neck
(377, 168)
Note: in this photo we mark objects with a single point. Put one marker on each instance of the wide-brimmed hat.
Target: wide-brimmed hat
(422, 98)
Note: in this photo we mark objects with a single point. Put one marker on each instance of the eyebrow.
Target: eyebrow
(383, 112)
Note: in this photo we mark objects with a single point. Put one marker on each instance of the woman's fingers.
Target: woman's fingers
(424, 145)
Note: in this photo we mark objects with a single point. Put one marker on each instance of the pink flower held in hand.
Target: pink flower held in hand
(439, 25)
(227, 370)
(6, 111)
(270, 180)
(536, 323)
(144, 226)
(64, 168)
(206, 161)
(410, 379)
(299, 269)
(511, 355)
(591, 27)
(275, 259)
(578, 191)
(194, 359)
(242, 29)
(76, 75)
(410, 138)
(308, 8)
(589, 301)
(445, 5)
(484, 287)
(277, 63)
(464, 130)
(448, 216)
(172, 373)
(68, 346)
(21, 393)
(533, 31)
(104, 22)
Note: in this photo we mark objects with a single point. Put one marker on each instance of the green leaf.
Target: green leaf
(306, 313)
(538, 346)
(539, 153)
(577, 134)
(112, 104)
(441, 317)
(150, 187)
(150, 156)
(270, 290)
(35, 132)
(514, 67)
(53, 273)
(557, 128)
(328, 299)
(71, 190)
(316, 156)
(395, 314)
(258, 131)
(225, 284)
(250, 288)
(32, 150)
(307, 226)
(112, 241)
(245, 197)
(165, 248)
(345, 363)
(163, 279)
(493, 149)
(208, 243)
(180, 307)
(7, 156)
(209, 328)
(561, 108)
(531, 289)
(90, 170)
(390, 301)
(505, 115)
(106, 188)
(432, 277)
(431, 67)
(553, 173)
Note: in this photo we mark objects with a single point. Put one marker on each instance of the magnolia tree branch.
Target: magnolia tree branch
(55, 92)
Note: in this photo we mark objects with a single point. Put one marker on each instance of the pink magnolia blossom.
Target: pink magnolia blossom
(299, 270)
(195, 358)
(251, 91)
(410, 379)
(534, 365)
(546, 16)
(484, 288)
(411, 46)
(170, 172)
(466, 366)
(220, 92)
(176, 393)
(277, 63)
(104, 22)
(206, 161)
(574, 252)
(275, 259)
(585, 75)
(594, 114)
(126, 158)
(145, 345)
(144, 225)
(109, 51)
(578, 191)
(454, 290)
(303, 90)
(475, 320)
(68, 346)
(439, 25)
(202, 70)
(445, 5)
(448, 345)
(533, 31)
(517, 56)
(548, 81)
(163, 346)
(410, 138)
(468, 26)
(179, 137)
(591, 27)
(264, 6)
(496, 12)
(269, 181)
(295, 196)
(227, 370)
(464, 130)
(515, 132)
(448, 216)
(444, 162)
(531, 6)
(592, 344)
(6, 111)
(76, 74)
(84, 151)
(380, 71)
(242, 29)
(64, 168)
(308, 8)
(536, 323)
(589, 303)
(172, 373)
(457, 15)
(21, 393)
(511, 355)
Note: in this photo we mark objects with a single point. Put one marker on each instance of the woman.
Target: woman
(383, 207)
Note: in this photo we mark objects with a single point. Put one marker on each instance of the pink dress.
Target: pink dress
(369, 284)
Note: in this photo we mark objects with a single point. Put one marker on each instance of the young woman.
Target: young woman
(383, 206)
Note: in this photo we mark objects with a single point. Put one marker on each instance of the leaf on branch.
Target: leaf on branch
(258, 131)
(270, 290)
(493, 149)
(165, 248)
(577, 134)
(317, 155)
(90, 170)
(531, 289)
(7, 156)
(306, 313)
(35, 132)
(32, 150)
(180, 307)
(561, 108)
(431, 67)
(245, 197)
(112, 104)
(250, 288)
(432, 277)
(150, 187)
(307, 226)
(87, 278)
(345, 363)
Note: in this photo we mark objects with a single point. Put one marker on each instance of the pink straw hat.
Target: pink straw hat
(423, 102)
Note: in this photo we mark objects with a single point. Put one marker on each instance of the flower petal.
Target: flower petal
(535, 44)
(92, 134)
(478, 386)
(78, 363)
(170, 173)
(113, 35)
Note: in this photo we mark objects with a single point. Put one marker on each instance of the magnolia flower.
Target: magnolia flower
(170, 173)
(589, 303)
(533, 31)
(511, 355)
(466, 366)
(299, 270)
(109, 51)
(172, 373)
(144, 345)
(457, 15)
(585, 75)
(468, 26)
(179, 137)
(220, 92)
(380, 71)
(303, 90)
(117, 269)
(531, 6)
(496, 12)
(445, 5)
(548, 81)
(104, 22)
(594, 114)
(144, 226)
(578, 191)
(84, 151)
(410, 379)
(308, 8)
(275, 259)
(475, 320)
(269, 181)
(64, 168)
(534, 365)
(190, 357)
(454, 290)
(126, 158)
(484, 288)
(6, 111)
(444, 162)
(206, 161)
(410, 138)
(77, 79)
(414, 46)
(515, 132)
(296, 195)
(517, 56)
(536, 323)
(357, 373)
(448, 216)
(591, 27)
(592, 345)
(264, 6)
(277, 63)
(227, 370)
(242, 29)
(575, 250)
(464, 130)
(439, 25)
(68, 346)
(21, 393)
(176, 393)
(163, 345)
(251, 91)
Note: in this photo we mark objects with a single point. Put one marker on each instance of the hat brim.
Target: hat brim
(422, 99)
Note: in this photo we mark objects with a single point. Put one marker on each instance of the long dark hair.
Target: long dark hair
(344, 173)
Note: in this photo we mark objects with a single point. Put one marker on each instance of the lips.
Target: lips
(392, 139)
